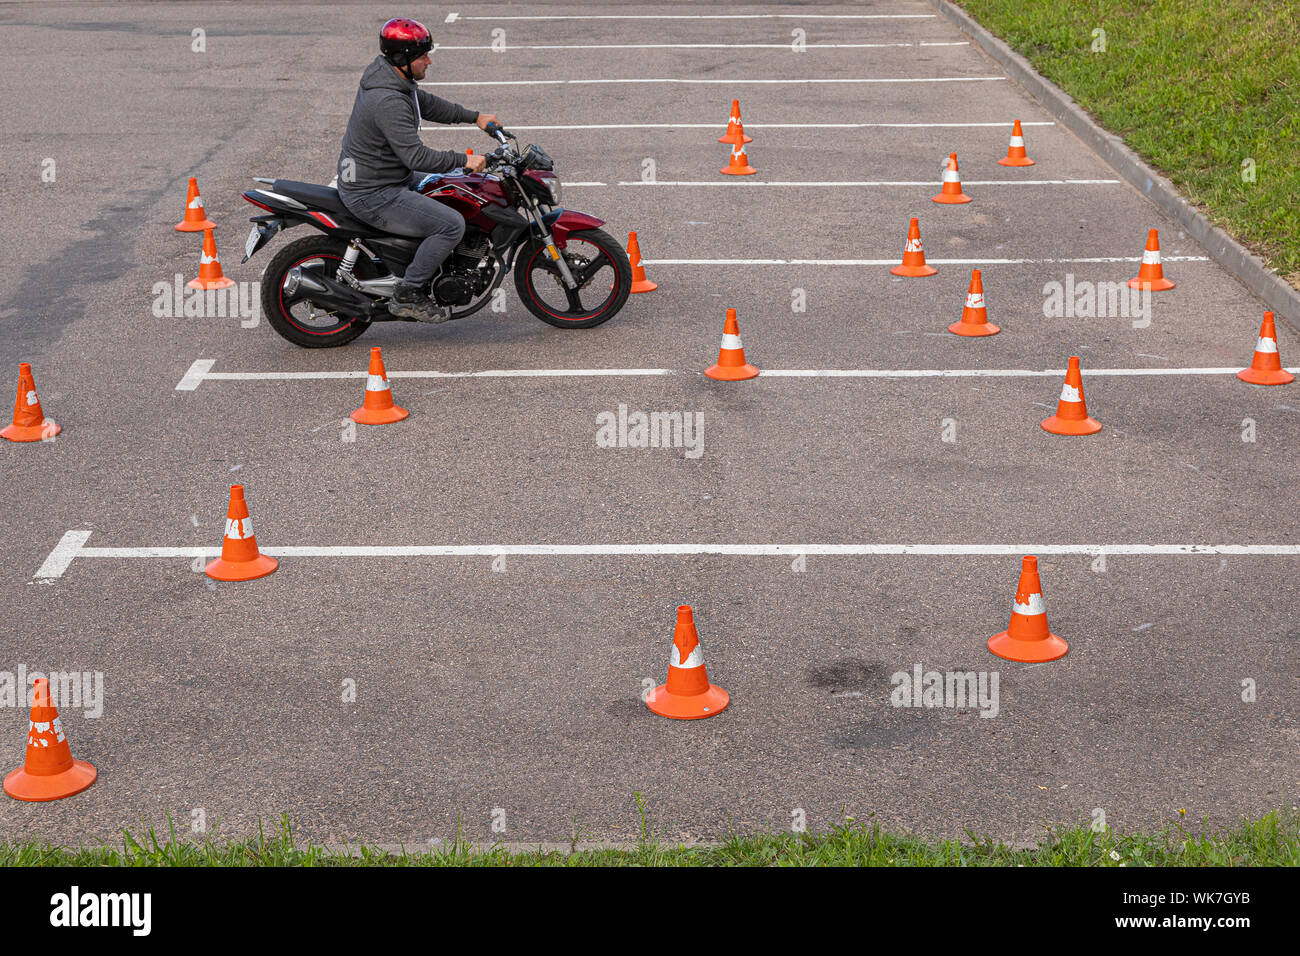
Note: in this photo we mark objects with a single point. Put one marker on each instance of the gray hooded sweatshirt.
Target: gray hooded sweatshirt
(382, 144)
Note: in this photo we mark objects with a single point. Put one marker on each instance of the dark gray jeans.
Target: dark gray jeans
(403, 211)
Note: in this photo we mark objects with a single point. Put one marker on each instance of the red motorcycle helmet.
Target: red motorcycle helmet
(402, 40)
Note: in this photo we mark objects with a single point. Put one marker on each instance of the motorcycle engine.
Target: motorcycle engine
(456, 288)
(459, 281)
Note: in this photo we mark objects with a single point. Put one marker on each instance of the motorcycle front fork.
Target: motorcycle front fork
(565, 274)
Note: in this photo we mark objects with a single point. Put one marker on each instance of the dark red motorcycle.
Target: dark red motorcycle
(325, 290)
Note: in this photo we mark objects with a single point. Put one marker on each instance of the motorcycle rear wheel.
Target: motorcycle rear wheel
(295, 318)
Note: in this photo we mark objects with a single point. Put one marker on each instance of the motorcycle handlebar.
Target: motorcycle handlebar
(493, 158)
(500, 134)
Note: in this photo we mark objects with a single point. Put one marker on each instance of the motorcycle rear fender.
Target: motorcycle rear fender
(267, 227)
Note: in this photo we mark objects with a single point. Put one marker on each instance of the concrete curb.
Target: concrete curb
(1236, 258)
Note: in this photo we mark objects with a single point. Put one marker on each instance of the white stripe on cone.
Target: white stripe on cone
(1265, 345)
(33, 400)
(1033, 605)
(950, 175)
(205, 260)
(1151, 257)
(197, 203)
(693, 660)
(376, 383)
(913, 245)
(974, 300)
(1017, 141)
(731, 341)
(233, 529)
(1070, 394)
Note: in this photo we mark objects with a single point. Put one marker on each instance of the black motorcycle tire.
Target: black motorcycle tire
(528, 265)
(273, 307)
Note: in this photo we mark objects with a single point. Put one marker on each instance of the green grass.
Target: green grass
(1271, 840)
(1195, 87)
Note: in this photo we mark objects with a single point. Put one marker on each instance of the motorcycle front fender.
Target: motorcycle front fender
(569, 221)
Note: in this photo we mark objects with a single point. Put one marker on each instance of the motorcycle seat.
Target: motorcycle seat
(316, 197)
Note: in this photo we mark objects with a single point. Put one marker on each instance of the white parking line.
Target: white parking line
(749, 183)
(69, 546)
(190, 381)
(983, 372)
(894, 261)
(733, 82)
(863, 184)
(73, 546)
(722, 126)
(452, 17)
(439, 48)
(201, 372)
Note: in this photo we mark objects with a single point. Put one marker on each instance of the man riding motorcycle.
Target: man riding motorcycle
(383, 160)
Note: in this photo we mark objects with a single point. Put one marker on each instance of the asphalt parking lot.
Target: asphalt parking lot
(490, 679)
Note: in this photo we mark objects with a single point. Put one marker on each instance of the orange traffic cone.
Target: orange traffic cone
(1151, 275)
(735, 133)
(378, 408)
(738, 165)
(1027, 638)
(951, 192)
(974, 317)
(688, 695)
(30, 423)
(240, 560)
(731, 366)
(49, 772)
(1265, 366)
(1071, 416)
(913, 263)
(1016, 151)
(196, 217)
(639, 282)
(210, 275)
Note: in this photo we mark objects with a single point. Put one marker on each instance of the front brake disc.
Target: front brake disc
(576, 263)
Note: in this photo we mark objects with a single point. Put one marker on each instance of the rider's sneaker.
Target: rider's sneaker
(410, 302)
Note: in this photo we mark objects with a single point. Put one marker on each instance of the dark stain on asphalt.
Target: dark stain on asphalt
(849, 673)
(59, 290)
(626, 708)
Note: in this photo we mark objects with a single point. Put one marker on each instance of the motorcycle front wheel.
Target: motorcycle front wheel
(605, 280)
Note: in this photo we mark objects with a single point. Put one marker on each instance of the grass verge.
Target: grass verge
(1203, 90)
(1270, 840)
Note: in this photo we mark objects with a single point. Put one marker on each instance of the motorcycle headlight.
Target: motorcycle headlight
(553, 187)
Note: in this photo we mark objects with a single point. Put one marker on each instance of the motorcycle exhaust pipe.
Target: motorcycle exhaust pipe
(326, 292)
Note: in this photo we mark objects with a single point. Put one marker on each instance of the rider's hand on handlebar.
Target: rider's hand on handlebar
(484, 119)
(475, 163)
